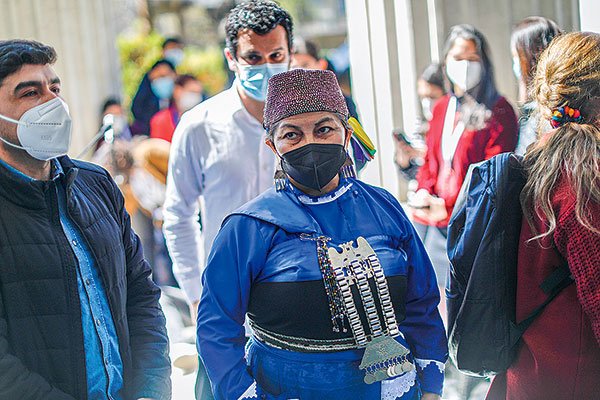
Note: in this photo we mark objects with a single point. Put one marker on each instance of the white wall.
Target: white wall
(83, 34)
(589, 11)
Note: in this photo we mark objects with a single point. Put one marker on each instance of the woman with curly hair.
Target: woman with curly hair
(560, 353)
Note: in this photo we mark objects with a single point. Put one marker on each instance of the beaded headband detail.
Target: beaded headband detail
(302, 91)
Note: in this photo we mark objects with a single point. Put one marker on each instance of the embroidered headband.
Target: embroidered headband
(302, 91)
(563, 115)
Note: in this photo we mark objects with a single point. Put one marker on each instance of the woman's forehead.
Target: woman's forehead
(463, 46)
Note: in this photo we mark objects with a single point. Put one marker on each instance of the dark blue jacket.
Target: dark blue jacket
(41, 339)
(143, 107)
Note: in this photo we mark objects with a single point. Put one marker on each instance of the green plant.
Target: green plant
(208, 65)
(139, 51)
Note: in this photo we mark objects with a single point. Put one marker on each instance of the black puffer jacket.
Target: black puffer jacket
(41, 339)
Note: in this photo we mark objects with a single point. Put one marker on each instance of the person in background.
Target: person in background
(410, 149)
(148, 185)
(112, 150)
(153, 95)
(187, 93)
(529, 39)
(113, 126)
(172, 50)
(112, 106)
(79, 315)
(306, 56)
(277, 261)
(469, 124)
(430, 88)
(559, 358)
(218, 151)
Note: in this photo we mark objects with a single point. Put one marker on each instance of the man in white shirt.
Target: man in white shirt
(218, 152)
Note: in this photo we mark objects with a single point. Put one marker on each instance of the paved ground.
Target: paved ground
(183, 385)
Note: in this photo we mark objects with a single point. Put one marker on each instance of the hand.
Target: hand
(194, 311)
(435, 210)
(403, 154)
(430, 396)
(420, 199)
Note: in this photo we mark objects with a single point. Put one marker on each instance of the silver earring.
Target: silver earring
(347, 170)
(279, 178)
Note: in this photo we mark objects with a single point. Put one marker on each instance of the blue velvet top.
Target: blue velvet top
(264, 242)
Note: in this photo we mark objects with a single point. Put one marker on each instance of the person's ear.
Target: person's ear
(230, 60)
(271, 145)
(348, 138)
(322, 64)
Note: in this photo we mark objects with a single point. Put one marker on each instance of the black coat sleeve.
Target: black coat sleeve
(147, 331)
(16, 380)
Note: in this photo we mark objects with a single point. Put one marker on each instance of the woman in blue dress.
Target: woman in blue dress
(329, 272)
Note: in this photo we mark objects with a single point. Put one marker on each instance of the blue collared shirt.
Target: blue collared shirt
(104, 367)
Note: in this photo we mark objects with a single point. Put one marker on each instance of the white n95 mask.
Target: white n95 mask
(464, 73)
(44, 131)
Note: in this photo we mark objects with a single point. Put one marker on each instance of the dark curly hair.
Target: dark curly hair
(16, 53)
(259, 16)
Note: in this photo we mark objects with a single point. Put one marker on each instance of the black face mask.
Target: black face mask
(314, 165)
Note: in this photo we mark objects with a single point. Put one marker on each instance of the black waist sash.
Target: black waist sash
(296, 315)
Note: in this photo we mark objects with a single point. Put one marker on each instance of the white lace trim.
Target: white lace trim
(397, 387)
(424, 363)
(250, 393)
(329, 197)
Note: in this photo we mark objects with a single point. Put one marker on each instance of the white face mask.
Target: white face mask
(189, 100)
(426, 106)
(464, 73)
(44, 131)
(517, 68)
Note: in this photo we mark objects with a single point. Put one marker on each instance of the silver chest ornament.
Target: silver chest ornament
(384, 357)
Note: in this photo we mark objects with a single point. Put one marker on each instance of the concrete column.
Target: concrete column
(434, 35)
(359, 39)
(405, 48)
(383, 77)
(84, 36)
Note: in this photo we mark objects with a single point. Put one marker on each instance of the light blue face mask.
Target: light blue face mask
(517, 68)
(175, 56)
(254, 78)
(163, 87)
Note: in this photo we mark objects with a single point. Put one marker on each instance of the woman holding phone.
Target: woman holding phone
(472, 123)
